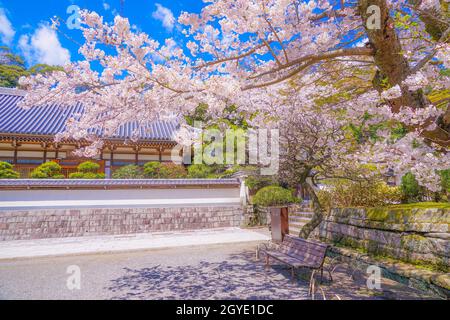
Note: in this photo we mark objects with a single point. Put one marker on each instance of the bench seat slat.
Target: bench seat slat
(293, 261)
(298, 252)
(295, 249)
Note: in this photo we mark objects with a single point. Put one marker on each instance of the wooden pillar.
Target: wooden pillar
(136, 154)
(57, 146)
(160, 149)
(111, 154)
(109, 163)
(15, 145)
(44, 146)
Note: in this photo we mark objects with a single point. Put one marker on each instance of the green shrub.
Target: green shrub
(445, 180)
(215, 171)
(411, 190)
(88, 166)
(341, 193)
(274, 196)
(157, 170)
(86, 175)
(151, 169)
(76, 175)
(128, 172)
(7, 172)
(47, 170)
(172, 171)
(87, 170)
(200, 171)
(254, 183)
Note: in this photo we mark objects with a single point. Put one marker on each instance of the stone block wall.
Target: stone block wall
(418, 236)
(54, 223)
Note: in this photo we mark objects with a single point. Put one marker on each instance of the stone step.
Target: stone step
(305, 208)
(296, 226)
(301, 214)
(297, 220)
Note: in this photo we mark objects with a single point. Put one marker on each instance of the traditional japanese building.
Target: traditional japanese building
(27, 138)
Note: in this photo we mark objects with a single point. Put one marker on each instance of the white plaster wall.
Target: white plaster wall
(148, 157)
(30, 154)
(120, 156)
(6, 153)
(25, 199)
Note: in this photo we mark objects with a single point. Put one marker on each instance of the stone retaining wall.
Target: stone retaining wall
(435, 283)
(54, 223)
(418, 236)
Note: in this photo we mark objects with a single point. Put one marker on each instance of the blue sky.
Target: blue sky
(24, 24)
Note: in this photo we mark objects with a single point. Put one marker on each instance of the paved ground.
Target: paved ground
(203, 272)
(127, 243)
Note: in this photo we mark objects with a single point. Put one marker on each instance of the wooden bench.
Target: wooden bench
(299, 253)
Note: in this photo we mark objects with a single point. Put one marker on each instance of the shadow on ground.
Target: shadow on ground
(242, 277)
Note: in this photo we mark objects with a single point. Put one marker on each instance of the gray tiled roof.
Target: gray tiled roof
(50, 120)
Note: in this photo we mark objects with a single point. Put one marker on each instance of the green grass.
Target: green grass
(424, 205)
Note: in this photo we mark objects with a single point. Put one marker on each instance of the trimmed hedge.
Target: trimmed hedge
(158, 170)
(128, 172)
(200, 171)
(7, 171)
(47, 170)
(87, 170)
(274, 196)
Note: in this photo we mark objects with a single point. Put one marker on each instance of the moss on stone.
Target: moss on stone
(377, 214)
(422, 205)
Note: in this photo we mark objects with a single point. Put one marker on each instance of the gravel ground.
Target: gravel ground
(202, 272)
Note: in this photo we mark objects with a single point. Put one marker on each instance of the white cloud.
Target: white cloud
(43, 47)
(6, 30)
(106, 5)
(164, 15)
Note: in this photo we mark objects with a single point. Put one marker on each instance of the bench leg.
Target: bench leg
(311, 283)
(321, 275)
(267, 262)
(292, 274)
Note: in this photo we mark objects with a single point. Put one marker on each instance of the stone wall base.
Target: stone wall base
(58, 223)
(418, 236)
(435, 283)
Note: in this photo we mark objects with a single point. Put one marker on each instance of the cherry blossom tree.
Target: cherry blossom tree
(313, 145)
(376, 61)
(383, 71)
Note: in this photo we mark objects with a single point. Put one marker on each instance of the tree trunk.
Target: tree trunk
(394, 67)
(318, 215)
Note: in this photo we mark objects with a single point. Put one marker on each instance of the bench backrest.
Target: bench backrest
(311, 252)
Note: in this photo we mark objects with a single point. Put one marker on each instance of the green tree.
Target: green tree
(7, 172)
(274, 196)
(47, 170)
(87, 170)
(128, 172)
(158, 170)
(411, 190)
(12, 67)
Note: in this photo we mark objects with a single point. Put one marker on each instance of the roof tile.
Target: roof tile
(50, 120)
